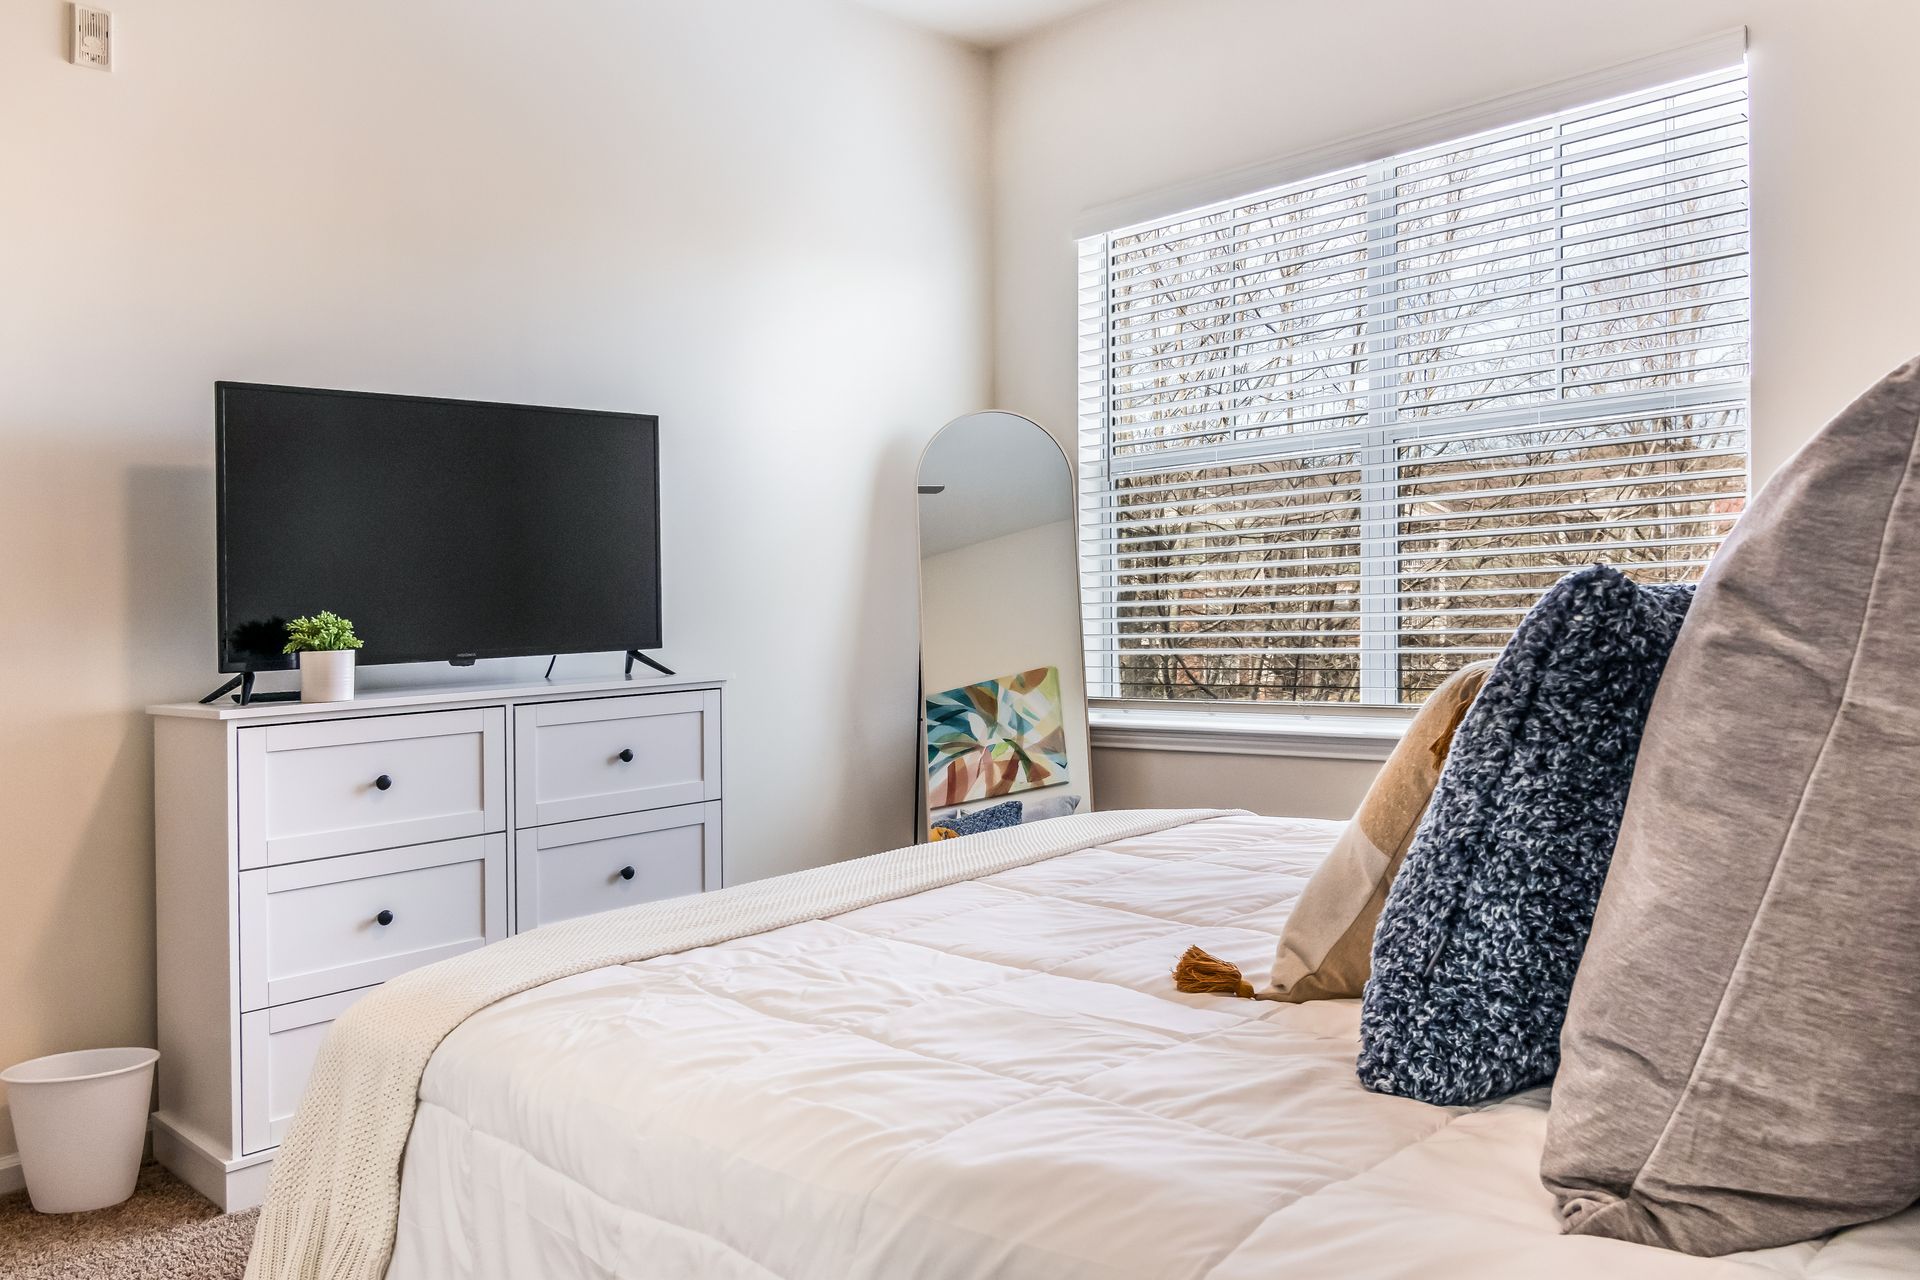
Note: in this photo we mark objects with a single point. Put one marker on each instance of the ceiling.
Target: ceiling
(982, 22)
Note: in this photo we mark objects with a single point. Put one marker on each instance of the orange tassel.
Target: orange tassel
(1200, 974)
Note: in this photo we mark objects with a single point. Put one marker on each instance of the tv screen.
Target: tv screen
(447, 530)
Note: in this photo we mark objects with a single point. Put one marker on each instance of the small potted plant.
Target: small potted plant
(325, 643)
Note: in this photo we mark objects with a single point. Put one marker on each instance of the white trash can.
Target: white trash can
(81, 1119)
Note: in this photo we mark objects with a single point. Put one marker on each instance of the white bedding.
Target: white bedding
(991, 1079)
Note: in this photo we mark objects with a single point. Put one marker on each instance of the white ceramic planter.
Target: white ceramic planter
(326, 675)
(81, 1119)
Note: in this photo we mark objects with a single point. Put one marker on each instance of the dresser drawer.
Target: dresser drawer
(372, 782)
(602, 756)
(277, 1051)
(578, 868)
(315, 928)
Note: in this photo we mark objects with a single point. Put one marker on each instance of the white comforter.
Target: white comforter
(991, 1079)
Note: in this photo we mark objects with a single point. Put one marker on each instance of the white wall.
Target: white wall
(761, 219)
(1006, 605)
(1146, 95)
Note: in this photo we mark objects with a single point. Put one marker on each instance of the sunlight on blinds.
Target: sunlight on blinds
(1337, 436)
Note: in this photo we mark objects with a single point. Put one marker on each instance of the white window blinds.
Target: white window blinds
(1337, 436)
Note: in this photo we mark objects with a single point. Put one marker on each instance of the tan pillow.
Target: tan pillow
(1326, 946)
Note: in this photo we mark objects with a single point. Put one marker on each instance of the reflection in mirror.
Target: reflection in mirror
(1004, 716)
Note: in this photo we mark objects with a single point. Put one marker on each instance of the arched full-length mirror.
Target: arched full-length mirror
(1004, 709)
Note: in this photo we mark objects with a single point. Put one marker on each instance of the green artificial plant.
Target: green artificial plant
(323, 631)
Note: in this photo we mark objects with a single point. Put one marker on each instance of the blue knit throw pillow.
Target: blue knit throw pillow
(991, 818)
(1483, 928)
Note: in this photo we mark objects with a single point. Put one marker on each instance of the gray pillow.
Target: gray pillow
(1049, 806)
(1477, 944)
(1739, 1063)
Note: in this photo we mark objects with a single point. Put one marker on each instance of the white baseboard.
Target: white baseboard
(12, 1177)
(232, 1184)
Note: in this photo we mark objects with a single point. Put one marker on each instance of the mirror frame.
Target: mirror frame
(1077, 714)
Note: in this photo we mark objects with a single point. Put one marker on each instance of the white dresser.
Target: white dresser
(305, 853)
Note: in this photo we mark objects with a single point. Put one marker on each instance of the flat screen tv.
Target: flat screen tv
(447, 530)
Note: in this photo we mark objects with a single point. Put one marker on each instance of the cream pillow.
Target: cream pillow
(1327, 944)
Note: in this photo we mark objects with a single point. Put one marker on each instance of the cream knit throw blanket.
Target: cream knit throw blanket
(334, 1201)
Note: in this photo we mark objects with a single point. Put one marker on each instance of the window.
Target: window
(1337, 436)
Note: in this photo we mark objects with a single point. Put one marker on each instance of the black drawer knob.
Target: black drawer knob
(626, 873)
(382, 782)
(385, 917)
(626, 755)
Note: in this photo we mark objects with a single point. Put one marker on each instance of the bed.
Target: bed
(992, 1078)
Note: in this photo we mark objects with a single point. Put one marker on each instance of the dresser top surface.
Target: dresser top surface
(400, 697)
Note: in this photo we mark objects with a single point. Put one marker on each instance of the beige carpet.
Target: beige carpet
(166, 1232)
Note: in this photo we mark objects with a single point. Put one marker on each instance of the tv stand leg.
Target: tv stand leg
(634, 655)
(245, 683)
(224, 689)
